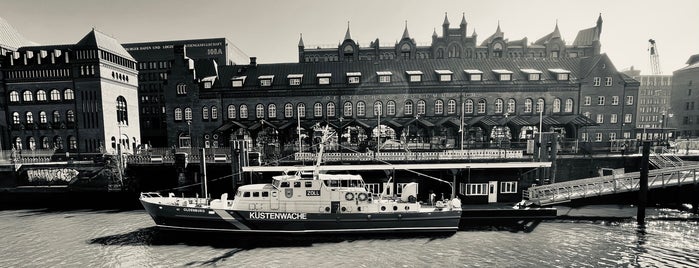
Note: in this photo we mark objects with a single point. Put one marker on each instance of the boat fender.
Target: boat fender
(349, 196)
(361, 197)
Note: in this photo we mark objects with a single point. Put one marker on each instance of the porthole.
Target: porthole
(383, 208)
(395, 208)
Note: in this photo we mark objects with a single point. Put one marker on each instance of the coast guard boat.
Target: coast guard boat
(305, 203)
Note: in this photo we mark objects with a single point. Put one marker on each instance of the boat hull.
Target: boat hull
(217, 220)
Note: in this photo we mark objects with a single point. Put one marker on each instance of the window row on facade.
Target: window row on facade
(412, 77)
(602, 100)
(42, 117)
(44, 142)
(349, 109)
(41, 95)
(599, 136)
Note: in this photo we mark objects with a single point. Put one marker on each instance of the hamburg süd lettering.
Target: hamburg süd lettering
(277, 216)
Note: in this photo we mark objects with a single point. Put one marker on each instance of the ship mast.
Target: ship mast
(321, 147)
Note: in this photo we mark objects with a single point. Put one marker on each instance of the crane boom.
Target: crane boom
(654, 57)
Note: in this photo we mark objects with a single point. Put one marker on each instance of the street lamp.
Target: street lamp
(189, 134)
(120, 125)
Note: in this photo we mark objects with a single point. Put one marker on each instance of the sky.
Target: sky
(270, 29)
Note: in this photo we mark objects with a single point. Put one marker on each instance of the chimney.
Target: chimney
(253, 61)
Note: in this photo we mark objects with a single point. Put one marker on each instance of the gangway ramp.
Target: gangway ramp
(562, 192)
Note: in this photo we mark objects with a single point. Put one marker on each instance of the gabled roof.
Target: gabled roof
(104, 42)
(498, 33)
(553, 35)
(10, 38)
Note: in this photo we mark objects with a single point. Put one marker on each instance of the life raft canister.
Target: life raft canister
(349, 196)
(361, 197)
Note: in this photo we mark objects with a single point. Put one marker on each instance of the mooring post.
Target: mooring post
(643, 185)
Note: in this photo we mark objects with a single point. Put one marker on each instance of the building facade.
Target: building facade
(654, 111)
(456, 43)
(155, 66)
(77, 98)
(685, 100)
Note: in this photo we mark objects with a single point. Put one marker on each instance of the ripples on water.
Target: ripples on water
(41, 238)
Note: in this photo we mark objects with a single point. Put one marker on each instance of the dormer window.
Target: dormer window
(324, 78)
(532, 74)
(414, 76)
(209, 81)
(265, 80)
(353, 77)
(561, 74)
(295, 79)
(444, 75)
(207, 84)
(474, 75)
(503, 75)
(384, 77)
(238, 81)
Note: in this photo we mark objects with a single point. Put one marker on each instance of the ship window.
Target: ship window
(309, 184)
(334, 183)
(255, 194)
(246, 194)
(345, 183)
(285, 184)
(297, 184)
(265, 194)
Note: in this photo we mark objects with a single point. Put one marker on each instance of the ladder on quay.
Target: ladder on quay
(563, 192)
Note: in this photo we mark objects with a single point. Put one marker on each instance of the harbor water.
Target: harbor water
(115, 238)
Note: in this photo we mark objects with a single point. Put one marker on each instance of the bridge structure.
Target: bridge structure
(669, 171)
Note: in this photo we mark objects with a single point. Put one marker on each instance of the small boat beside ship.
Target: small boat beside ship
(305, 203)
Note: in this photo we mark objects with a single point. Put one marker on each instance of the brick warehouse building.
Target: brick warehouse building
(154, 67)
(78, 98)
(583, 97)
(684, 99)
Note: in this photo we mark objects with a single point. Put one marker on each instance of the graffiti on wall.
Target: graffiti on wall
(58, 175)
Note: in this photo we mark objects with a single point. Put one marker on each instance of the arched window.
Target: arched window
(569, 106)
(27, 96)
(539, 105)
(70, 116)
(421, 107)
(301, 108)
(31, 142)
(468, 107)
(178, 114)
(231, 111)
(55, 95)
(42, 117)
(347, 111)
(72, 143)
(14, 96)
(18, 143)
(330, 110)
(205, 113)
(528, 105)
(214, 112)
(557, 105)
(378, 108)
(499, 103)
(318, 109)
(288, 110)
(122, 110)
(45, 143)
(187, 113)
(511, 106)
(41, 95)
(408, 107)
(56, 116)
(30, 117)
(361, 108)
(481, 106)
(58, 142)
(272, 110)
(391, 107)
(243, 111)
(68, 94)
(15, 118)
(451, 106)
(259, 111)
(181, 89)
(438, 107)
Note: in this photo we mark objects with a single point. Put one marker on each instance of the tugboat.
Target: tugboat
(308, 202)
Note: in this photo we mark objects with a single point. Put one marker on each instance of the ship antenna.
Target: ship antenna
(321, 147)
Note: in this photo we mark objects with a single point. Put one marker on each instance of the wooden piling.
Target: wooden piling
(643, 185)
